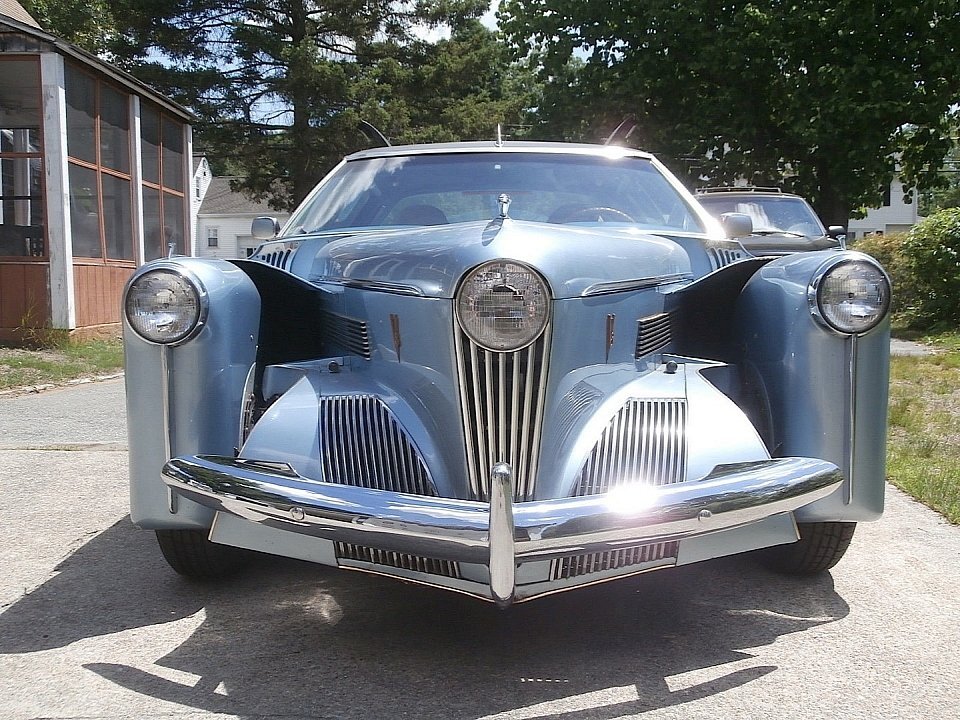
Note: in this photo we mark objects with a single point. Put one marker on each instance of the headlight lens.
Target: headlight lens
(503, 305)
(851, 296)
(163, 306)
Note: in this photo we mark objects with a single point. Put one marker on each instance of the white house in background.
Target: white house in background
(224, 217)
(896, 214)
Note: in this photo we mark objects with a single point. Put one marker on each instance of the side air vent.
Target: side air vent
(347, 333)
(279, 254)
(646, 441)
(375, 556)
(722, 255)
(363, 444)
(579, 565)
(653, 334)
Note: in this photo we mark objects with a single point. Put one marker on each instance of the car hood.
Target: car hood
(431, 260)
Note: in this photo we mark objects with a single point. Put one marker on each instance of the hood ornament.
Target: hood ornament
(504, 201)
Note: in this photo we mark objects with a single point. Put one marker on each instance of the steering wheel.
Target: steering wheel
(595, 214)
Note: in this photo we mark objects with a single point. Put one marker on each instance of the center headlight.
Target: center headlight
(164, 306)
(851, 295)
(503, 305)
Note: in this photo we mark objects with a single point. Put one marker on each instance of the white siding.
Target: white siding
(897, 217)
(233, 235)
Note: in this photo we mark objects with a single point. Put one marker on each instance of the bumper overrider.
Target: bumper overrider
(500, 534)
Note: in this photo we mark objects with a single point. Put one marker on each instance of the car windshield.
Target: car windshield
(769, 213)
(436, 189)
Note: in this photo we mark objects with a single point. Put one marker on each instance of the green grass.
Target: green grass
(923, 452)
(59, 363)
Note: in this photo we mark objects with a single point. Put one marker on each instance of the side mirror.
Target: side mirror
(265, 228)
(736, 225)
(838, 233)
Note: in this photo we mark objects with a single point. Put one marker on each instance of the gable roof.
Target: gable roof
(221, 200)
(15, 11)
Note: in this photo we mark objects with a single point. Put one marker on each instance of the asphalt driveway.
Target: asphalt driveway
(94, 625)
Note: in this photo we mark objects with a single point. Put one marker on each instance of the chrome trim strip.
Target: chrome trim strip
(167, 405)
(852, 420)
(372, 285)
(449, 529)
(635, 284)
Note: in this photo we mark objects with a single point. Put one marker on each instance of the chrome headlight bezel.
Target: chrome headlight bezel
(528, 318)
(188, 285)
(820, 286)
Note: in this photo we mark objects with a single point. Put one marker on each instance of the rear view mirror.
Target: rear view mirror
(736, 225)
(264, 228)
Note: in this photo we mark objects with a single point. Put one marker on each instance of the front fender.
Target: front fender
(186, 398)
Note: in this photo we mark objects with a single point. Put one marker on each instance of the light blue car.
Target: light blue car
(507, 370)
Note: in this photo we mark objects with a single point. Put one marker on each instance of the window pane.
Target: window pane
(172, 155)
(173, 222)
(153, 247)
(81, 102)
(114, 129)
(117, 228)
(19, 105)
(84, 212)
(21, 207)
(150, 143)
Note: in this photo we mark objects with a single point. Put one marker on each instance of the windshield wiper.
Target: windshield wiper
(777, 232)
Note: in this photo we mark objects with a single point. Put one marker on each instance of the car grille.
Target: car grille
(375, 556)
(502, 399)
(646, 441)
(653, 334)
(363, 444)
(579, 565)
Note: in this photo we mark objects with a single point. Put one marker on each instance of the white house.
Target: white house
(224, 217)
(896, 214)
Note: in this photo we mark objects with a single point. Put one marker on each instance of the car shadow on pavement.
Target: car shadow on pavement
(294, 639)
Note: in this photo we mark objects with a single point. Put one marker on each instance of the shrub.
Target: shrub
(932, 254)
(888, 249)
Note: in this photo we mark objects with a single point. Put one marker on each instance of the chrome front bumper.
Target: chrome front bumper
(500, 534)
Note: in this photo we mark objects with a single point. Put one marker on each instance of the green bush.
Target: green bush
(888, 249)
(931, 253)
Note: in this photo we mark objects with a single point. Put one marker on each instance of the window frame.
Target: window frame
(100, 169)
(44, 256)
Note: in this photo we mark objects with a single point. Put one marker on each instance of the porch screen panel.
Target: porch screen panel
(22, 215)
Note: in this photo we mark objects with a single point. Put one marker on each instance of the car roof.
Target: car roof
(750, 191)
(559, 148)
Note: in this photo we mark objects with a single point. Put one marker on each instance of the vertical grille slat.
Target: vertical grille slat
(502, 396)
(646, 441)
(402, 561)
(579, 565)
(363, 444)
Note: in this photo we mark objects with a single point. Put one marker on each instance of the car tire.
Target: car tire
(190, 554)
(820, 547)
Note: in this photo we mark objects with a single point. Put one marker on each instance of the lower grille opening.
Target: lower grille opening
(580, 565)
(404, 561)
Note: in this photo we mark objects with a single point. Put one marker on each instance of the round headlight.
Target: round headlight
(503, 305)
(850, 296)
(164, 306)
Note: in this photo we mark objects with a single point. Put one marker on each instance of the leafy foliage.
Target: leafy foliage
(281, 89)
(825, 98)
(932, 251)
(889, 250)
